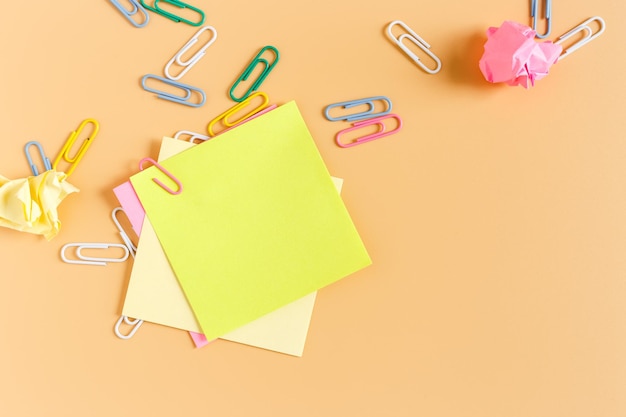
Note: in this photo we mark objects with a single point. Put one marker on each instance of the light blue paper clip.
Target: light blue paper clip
(366, 114)
(173, 97)
(128, 14)
(46, 162)
(548, 15)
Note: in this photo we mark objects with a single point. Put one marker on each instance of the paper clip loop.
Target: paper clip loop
(132, 248)
(156, 9)
(187, 64)
(192, 136)
(89, 260)
(246, 73)
(419, 42)
(187, 89)
(589, 35)
(382, 132)
(128, 14)
(135, 323)
(224, 116)
(166, 172)
(74, 160)
(548, 15)
(44, 158)
(366, 114)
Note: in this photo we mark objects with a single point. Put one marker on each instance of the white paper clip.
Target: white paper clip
(88, 260)
(419, 42)
(187, 64)
(588, 37)
(192, 136)
(135, 323)
(132, 248)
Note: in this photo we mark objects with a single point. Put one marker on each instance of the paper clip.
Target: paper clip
(419, 42)
(192, 136)
(88, 260)
(548, 15)
(135, 323)
(187, 64)
(173, 97)
(589, 35)
(166, 172)
(233, 110)
(74, 160)
(128, 14)
(369, 122)
(366, 114)
(171, 16)
(44, 158)
(246, 73)
(132, 248)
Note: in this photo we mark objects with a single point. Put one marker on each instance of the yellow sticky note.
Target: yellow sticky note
(258, 224)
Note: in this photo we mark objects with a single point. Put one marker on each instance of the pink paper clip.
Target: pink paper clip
(166, 172)
(382, 132)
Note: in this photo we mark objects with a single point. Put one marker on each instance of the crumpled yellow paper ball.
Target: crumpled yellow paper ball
(30, 204)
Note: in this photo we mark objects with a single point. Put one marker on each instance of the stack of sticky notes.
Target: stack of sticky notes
(258, 228)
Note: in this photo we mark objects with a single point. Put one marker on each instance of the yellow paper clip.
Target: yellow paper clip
(233, 110)
(74, 160)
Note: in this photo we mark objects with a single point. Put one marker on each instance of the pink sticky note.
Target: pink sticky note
(125, 194)
(199, 339)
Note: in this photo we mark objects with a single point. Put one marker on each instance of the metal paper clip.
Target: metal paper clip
(246, 73)
(171, 16)
(187, 89)
(166, 172)
(192, 136)
(187, 64)
(135, 323)
(88, 260)
(128, 14)
(132, 248)
(588, 37)
(74, 160)
(419, 42)
(44, 158)
(548, 15)
(369, 122)
(366, 114)
(237, 107)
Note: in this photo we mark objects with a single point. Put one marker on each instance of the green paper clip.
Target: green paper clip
(171, 16)
(246, 73)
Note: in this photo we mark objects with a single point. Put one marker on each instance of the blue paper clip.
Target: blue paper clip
(128, 14)
(46, 162)
(246, 73)
(173, 97)
(366, 114)
(156, 9)
(548, 15)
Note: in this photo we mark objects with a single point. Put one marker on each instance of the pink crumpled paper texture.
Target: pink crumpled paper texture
(513, 56)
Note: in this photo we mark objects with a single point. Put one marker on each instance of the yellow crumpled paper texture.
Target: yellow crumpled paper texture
(30, 204)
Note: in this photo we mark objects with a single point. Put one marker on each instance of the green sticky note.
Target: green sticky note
(259, 223)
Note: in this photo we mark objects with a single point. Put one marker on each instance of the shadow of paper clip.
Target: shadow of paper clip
(166, 172)
(134, 323)
(377, 121)
(192, 136)
(187, 64)
(366, 114)
(417, 41)
(89, 260)
(587, 37)
(158, 10)
(136, 9)
(132, 248)
(184, 99)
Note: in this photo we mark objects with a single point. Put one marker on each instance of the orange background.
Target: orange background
(495, 219)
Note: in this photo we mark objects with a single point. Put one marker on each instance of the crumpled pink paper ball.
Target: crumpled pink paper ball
(513, 56)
